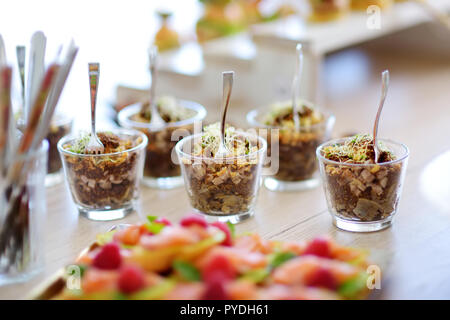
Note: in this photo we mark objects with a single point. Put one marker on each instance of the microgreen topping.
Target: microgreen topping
(281, 115)
(112, 143)
(357, 149)
(169, 109)
(236, 143)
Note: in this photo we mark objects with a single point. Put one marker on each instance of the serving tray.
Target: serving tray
(53, 285)
(56, 283)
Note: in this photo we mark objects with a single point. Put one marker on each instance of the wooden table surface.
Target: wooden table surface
(416, 113)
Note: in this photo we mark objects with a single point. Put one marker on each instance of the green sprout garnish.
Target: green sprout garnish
(281, 115)
(357, 149)
(79, 145)
(236, 143)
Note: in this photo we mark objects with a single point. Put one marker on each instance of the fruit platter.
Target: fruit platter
(194, 259)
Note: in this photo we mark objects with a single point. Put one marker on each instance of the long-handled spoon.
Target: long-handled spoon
(20, 53)
(2, 52)
(5, 116)
(384, 89)
(55, 93)
(155, 121)
(296, 84)
(36, 69)
(94, 146)
(12, 139)
(5, 81)
(227, 77)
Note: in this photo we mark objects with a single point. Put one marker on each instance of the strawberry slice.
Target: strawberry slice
(109, 257)
(193, 219)
(163, 221)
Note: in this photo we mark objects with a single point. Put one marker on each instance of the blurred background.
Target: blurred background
(346, 44)
(345, 51)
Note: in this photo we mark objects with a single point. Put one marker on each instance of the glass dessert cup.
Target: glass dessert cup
(159, 170)
(23, 254)
(223, 189)
(105, 186)
(363, 197)
(60, 126)
(297, 164)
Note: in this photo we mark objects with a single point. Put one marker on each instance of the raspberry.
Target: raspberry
(216, 274)
(131, 279)
(222, 226)
(322, 278)
(108, 257)
(318, 247)
(192, 219)
(163, 221)
(215, 291)
(219, 269)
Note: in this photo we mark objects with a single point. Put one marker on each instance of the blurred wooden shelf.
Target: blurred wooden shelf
(191, 58)
(265, 54)
(350, 30)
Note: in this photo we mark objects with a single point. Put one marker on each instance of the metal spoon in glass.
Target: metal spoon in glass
(94, 146)
(227, 77)
(384, 89)
(295, 86)
(155, 119)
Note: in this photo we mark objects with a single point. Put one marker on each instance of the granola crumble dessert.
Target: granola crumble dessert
(158, 161)
(169, 110)
(106, 181)
(297, 149)
(55, 133)
(222, 186)
(358, 188)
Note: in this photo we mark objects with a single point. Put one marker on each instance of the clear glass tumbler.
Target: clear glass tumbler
(223, 189)
(105, 186)
(363, 197)
(60, 126)
(22, 221)
(159, 170)
(297, 163)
